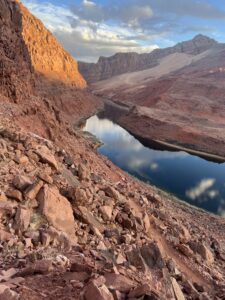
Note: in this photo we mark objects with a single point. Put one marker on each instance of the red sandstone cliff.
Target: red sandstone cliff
(37, 74)
(47, 56)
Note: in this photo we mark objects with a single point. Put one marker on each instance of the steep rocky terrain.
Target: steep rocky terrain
(121, 63)
(47, 56)
(73, 225)
(30, 56)
(179, 101)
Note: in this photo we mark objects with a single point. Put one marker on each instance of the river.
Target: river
(190, 178)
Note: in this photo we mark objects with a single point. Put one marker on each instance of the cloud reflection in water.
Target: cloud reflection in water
(191, 178)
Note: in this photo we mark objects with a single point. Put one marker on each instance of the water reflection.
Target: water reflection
(191, 178)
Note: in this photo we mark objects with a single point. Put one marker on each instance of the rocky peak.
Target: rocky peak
(204, 39)
(120, 63)
(198, 44)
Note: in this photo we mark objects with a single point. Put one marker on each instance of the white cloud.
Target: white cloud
(87, 39)
(88, 3)
(200, 188)
(154, 166)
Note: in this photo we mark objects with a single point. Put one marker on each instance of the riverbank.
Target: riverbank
(127, 112)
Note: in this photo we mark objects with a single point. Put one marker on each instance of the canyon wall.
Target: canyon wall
(120, 63)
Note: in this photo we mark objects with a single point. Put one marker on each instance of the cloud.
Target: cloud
(88, 45)
(154, 166)
(91, 29)
(124, 12)
(193, 8)
(201, 188)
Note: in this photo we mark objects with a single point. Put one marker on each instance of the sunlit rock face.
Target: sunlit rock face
(47, 56)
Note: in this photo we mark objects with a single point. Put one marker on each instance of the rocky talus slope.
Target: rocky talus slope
(73, 225)
(121, 63)
(73, 230)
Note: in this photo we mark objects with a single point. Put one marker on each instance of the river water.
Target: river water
(191, 178)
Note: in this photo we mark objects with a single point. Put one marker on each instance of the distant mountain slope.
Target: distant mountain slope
(120, 63)
(184, 92)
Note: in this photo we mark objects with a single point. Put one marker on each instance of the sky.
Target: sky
(89, 29)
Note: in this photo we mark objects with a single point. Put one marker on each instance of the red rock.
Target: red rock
(21, 159)
(39, 267)
(15, 194)
(93, 292)
(89, 219)
(118, 282)
(7, 294)
(146, 222)
(22, 219)
(177, 290)
(83, 172)
(57, 210)
(78, 276)
(118, 296)
(32, 191)
(3, 197)
(139, 291)
(204, 251)
(106, 212)
(120, 259)
(21, 182)
(111, 192)
(184, 249)
(152, 255)
(46, 156)
(5, 236)
(78, 267)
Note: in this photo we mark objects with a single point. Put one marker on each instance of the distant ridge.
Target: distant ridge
(120, 63)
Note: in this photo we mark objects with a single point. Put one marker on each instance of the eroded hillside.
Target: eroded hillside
(73, 225)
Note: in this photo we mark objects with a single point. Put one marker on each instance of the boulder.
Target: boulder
(83, 172)
(118, 282)
(203, 250)
(56, 209)
(152, 255)
(21, 159)
(7, 294)
(22, 219)
(43, 266)
(95, 292)
(32, 191)
(106, 212)
(46, 156)
(184, 249)
(80, 197)
(89, 219)
(21, 182)
(111, 192)
(15, 194)
(177, 290)
(135, 259)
